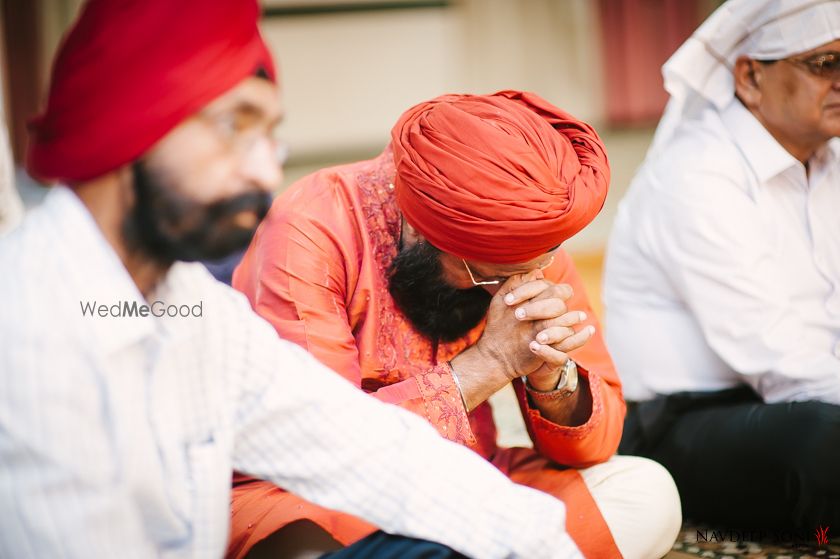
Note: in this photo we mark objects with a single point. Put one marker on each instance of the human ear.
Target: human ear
(748, 74)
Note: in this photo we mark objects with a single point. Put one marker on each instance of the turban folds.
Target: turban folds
(131, 70)
(498, 178)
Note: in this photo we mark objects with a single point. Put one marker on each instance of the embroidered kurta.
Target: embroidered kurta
(317, 270)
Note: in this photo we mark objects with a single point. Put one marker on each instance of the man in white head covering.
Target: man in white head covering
(722, 279)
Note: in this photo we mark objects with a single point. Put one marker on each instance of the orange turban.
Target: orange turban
(498, 178)
(131, 70)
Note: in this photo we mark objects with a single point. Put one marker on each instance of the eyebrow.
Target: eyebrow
(817, 53)
(253, 110)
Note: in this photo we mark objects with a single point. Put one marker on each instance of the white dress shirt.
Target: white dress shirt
(723, 267)
(118, 435)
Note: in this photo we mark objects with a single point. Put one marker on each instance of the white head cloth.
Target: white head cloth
(700, 72)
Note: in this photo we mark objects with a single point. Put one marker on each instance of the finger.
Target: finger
(554, 335)
(541, 310)
(551, 356)
(557, 290)
(538, 290)
(515, 281)
(571, 318)
(575, 341)
(526, 291)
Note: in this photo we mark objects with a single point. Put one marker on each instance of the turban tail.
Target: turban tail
(131, 70)
(497, 178)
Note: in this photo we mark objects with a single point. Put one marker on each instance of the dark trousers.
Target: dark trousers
(741, 463)
(380, 545)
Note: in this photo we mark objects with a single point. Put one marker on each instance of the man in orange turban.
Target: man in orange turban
(431, 277)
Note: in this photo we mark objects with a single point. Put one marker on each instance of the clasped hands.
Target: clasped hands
(529, 331)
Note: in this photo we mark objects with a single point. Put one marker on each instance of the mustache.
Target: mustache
(218, 233)
(256, 201)
(169, 226)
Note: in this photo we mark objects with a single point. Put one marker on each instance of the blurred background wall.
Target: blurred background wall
(350, 67)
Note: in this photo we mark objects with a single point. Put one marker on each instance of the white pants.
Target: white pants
(639, 502)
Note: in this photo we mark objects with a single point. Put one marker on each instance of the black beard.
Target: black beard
(169, 227)
(437, 310)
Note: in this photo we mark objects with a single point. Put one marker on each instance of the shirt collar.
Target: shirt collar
(765, 155)
(830, 153)
(94, 272)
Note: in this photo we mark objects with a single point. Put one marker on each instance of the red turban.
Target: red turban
(498, 178)
(131, 70)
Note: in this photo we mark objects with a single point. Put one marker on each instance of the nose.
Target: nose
(261, 166)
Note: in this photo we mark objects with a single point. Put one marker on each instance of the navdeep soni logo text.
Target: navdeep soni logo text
(133, 309)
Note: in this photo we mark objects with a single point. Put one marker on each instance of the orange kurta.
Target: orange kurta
(317, 271)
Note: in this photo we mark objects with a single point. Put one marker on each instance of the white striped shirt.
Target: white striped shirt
(118, 435)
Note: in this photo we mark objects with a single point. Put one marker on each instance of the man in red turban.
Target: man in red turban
(431, 277)
(132, 383)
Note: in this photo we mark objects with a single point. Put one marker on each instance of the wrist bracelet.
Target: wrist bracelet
(458, 385)
(566, 385)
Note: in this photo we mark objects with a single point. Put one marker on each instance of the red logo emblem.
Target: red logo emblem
(822, 535)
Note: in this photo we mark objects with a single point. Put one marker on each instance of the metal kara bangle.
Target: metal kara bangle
(458, 385)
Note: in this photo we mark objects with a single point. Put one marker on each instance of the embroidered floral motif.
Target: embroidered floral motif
(447, 413)
(402, 352)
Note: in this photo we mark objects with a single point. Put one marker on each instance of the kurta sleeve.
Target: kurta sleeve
(298, 275)
(596, 440)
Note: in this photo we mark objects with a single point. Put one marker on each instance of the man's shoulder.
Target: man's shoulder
(700, 167)
(324, 199)
(32, 278)
(37, 320)
(223, 313)
(193, 283)
(339, 185)
(701, 148)
(335, 207)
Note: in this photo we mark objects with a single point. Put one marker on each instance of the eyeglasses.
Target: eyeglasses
(499, 281)
(241, 137)
(824, 65)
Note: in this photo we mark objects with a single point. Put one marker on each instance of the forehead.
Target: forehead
(832, 46)
(511, 269)
(254, 93)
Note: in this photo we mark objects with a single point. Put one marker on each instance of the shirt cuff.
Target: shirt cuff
(542, 425)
